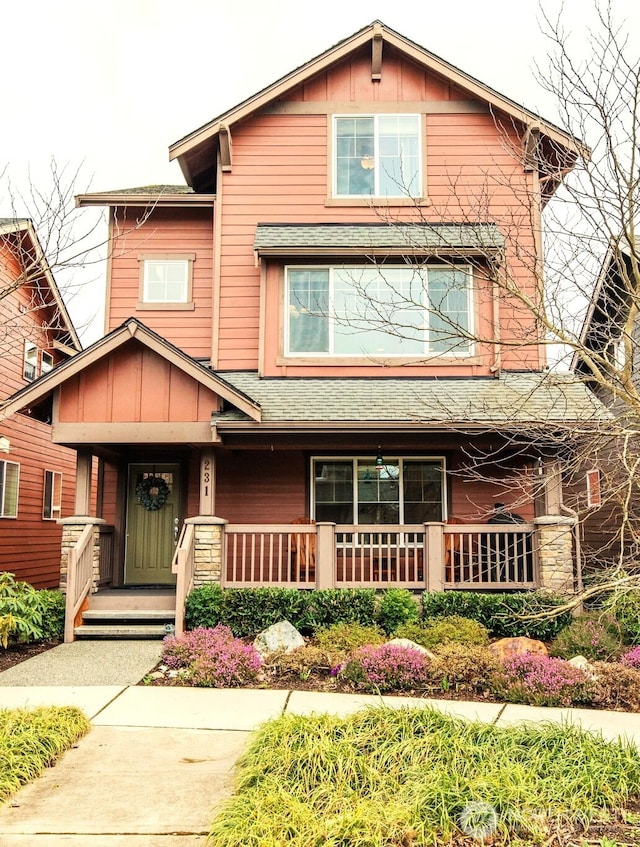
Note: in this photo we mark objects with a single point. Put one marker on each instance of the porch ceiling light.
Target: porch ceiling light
(379, 460)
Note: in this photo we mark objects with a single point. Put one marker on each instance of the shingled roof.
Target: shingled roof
(536, 398)
(285, 239)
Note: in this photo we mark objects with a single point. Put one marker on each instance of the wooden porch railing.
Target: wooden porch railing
(105, 568)
(183, 565)
(497, 556)
(278, 554)
(418, 556)
(79, 579)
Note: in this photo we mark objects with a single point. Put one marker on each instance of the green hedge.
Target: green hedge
(247, 611)
(502, 614)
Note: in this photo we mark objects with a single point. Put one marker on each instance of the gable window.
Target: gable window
(377, 156)
(166, 281)
(30, 370)
(379, 311)
(52, 498)
(354, 491)
(9, 477)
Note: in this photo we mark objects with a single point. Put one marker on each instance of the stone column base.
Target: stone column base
(208, 549)
(556, 566)
(72, 529)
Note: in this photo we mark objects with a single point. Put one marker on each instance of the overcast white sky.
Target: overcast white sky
(109, 84)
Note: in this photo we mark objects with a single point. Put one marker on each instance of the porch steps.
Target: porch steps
(138, 613)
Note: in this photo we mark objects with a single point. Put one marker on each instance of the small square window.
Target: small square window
(165, 281)
(30, 371)
(52, 498)
(9, 479)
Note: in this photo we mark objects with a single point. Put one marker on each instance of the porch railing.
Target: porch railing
(79, 579)
(418, 556)
(481, 556)
(183, 565)
(278, 554)
(105, 568)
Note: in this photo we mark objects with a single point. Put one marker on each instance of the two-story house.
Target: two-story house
(37, 478)
(315, 371)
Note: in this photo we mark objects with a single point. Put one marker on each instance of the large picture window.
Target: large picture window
(379, 311)
(377, 156)
(9, 477)
(355, 491)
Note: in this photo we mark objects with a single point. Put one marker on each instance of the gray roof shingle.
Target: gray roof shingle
(410, 238)
(532, 397)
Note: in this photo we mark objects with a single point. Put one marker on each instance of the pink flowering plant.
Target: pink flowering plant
(541, 681)
(631, 659)
(387, 667)
(212, 658)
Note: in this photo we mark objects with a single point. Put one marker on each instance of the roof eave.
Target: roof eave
(145, 200)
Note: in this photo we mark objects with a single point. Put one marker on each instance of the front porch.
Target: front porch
(434, 556)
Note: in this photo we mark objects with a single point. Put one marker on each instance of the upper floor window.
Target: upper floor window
(377, 156)
(9, 476)
(52, 497)
(166, 281)
(47, 362)
(30, 370)
(379, 311)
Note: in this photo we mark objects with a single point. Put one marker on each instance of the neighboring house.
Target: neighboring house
(607, 360)
(37, 478)
(307, 344)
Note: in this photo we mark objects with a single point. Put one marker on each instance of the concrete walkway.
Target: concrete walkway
(159, 761)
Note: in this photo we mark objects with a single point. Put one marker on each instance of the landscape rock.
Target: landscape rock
(281, 637)
(407, 642)
(507, 648)
(584, 665)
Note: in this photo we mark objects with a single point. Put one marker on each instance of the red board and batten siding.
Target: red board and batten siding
(29, 545)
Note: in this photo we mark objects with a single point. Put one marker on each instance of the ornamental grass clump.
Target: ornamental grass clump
(342, 638)
(212, 658)
(387, 667)
(541, 681)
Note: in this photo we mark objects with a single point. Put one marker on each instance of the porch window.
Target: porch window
(30, 371)
(166, 281)
(9, 477)
(52, 497)
(354, 491)
(379, 311)
(377, 156)
(47, 362)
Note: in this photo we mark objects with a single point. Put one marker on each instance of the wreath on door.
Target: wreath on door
(152, 493)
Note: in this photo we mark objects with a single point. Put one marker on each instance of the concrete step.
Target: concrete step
(129, 615)
(125, 630)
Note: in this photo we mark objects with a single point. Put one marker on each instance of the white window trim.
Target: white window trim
(433, 460)
(143, 300)
(331, 354)
(403, 195)
(3, 464)
(56, 508)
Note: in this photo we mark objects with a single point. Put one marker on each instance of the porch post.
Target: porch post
(552, 488)
(555, 553)
(434, 555)
(207, 482)
(325, 555)
(83, 482)
(208, 549)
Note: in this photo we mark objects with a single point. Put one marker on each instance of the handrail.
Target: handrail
(183, 565)
(79, 579)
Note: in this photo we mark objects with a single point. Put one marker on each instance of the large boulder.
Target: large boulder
(282, 637)
(507, 648)
(406, 642)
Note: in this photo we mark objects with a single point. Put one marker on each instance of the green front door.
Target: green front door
(153, 523)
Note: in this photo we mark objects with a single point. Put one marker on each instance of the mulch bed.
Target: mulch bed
(16, 653)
